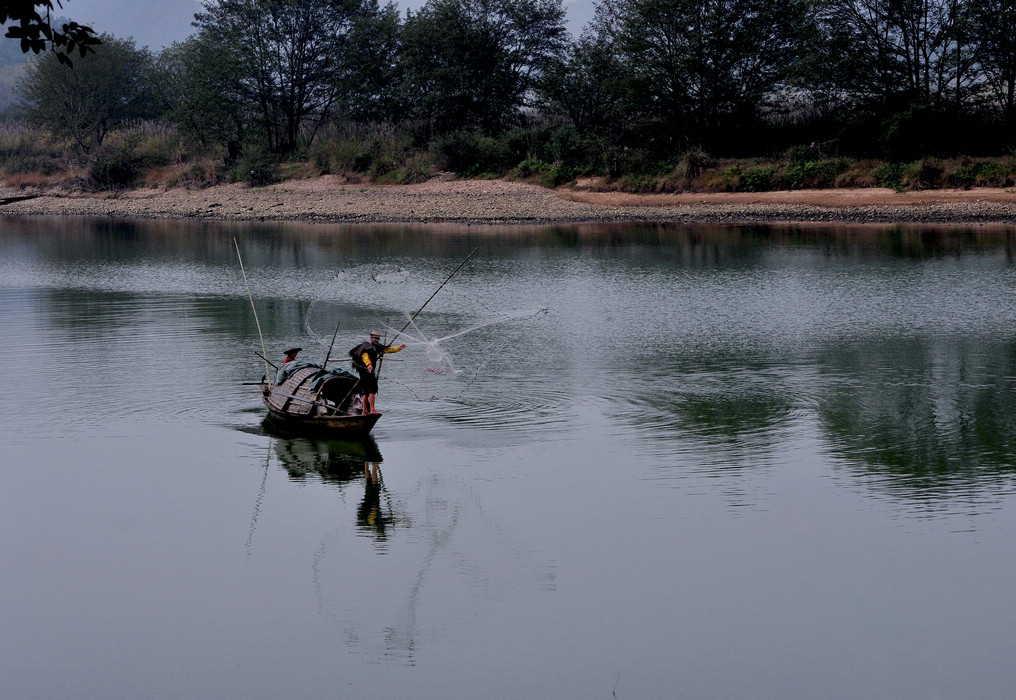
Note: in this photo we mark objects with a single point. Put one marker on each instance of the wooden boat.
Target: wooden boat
(313, 399)
(310, 399)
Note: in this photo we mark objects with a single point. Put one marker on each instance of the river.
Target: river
(615, 461)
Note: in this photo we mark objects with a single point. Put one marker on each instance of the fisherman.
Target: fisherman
(365, 357)
(291, 354)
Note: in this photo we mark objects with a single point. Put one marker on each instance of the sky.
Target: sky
(158, 23)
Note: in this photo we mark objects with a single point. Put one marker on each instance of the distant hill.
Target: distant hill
(12, 64)
(10, 74)
(10, 49)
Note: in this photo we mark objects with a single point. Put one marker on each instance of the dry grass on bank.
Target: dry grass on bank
(155, 156)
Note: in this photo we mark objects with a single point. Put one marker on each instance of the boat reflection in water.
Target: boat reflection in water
(341, 462)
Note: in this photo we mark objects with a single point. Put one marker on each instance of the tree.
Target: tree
(473, 64)
(994, 26)
(586, 86)
(290, 53)
(369, 81)
(202, 82)
(902, 72)
(898, 51)
(35, 29)
(698, 67)
(111, 87)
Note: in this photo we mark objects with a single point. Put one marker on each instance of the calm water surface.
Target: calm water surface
(632, 462)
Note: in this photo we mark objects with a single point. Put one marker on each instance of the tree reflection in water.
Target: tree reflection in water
(922, 418)
(930, 419)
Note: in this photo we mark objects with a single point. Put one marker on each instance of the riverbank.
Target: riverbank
(448, 200)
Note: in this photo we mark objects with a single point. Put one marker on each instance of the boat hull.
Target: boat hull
(309, 400)
(337, 425)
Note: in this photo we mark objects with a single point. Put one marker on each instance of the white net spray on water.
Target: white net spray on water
(452, 341)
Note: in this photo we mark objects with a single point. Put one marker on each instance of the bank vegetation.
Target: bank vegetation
(652, 96)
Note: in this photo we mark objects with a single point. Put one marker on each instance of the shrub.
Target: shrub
(386, 150)
(890, 175)
(757, 179)
(337, 152)
(256, 167)
(722, 180)
(204, 173)
(20, 181)
(127, 155)
(812, 174)
(628, 161)
(419, 168)
(41, 164)
(28, 151)
(802, 154)
(115, 167)
(639, 184)
(557, 175)
(382, 164)
(157, 143)
(964, 176)
(565, 145)
(996, 172)
(530, 167)
(471, 153)
(925, 174)
(382, 150)
(693, 163)
(858, 174)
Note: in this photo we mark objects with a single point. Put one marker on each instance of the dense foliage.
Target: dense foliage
(112, 87)
(668, 90)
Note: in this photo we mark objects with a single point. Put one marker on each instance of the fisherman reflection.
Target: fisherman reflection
(370, 516)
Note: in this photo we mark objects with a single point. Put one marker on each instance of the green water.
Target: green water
(633, 461)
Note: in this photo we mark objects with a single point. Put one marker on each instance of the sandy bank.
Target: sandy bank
(327, 199)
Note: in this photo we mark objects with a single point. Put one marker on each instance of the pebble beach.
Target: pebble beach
(503, 202)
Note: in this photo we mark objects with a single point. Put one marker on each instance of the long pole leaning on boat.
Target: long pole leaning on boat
(412, 318)
(328, 355)
(256, 321)
(332, 344)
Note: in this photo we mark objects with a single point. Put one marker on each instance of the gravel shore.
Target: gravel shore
(444, 199)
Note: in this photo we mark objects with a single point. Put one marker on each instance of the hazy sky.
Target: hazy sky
(156, 23)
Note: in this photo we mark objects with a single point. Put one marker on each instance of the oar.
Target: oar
(266, 360)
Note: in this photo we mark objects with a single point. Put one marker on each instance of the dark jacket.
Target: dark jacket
(372, 350)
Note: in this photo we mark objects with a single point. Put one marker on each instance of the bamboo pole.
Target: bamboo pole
(256, 321)
(332, 344)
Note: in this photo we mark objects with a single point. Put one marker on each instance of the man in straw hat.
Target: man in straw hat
(365, 357)
(291, 354)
